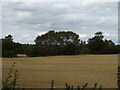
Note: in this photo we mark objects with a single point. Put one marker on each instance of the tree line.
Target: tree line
(59, 43)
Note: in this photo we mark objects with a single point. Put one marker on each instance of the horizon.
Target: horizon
(61, 31)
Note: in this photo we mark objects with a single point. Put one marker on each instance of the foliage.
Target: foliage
(10, 81)
(8, 49)
(59, 43)
(11, 49)
(97, 45)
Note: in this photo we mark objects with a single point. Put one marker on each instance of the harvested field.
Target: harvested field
(75, 70)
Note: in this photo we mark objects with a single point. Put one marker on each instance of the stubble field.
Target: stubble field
(36, 72)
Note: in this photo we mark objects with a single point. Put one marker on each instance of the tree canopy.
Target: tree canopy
(99, 46)
(8, 49)
(59, 43)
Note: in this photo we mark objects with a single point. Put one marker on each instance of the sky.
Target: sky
(26, 20)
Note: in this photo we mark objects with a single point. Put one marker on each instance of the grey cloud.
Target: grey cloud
(30, 19)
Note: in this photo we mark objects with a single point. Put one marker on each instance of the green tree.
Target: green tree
(109, 47)
(58, 43)
(95, 44)
(99, 46)
(8, 48)
(83, 48)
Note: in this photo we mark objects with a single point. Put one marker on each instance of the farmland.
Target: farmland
(75, 70)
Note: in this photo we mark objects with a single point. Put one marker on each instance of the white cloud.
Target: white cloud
(106, 34)
(40, 33)
(83, 35)
(32, 19)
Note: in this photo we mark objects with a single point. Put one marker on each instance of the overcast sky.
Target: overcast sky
(26, 20)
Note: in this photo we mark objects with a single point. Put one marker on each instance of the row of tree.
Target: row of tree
(10, 48)
(59, 43)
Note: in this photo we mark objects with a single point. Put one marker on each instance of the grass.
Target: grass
(76, 70)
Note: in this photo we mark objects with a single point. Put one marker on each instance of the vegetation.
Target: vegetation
(59, 43)
(10, 81)
(99, 46)
(8, 49)
(71, 87)
(56, 43)
(11, 49)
